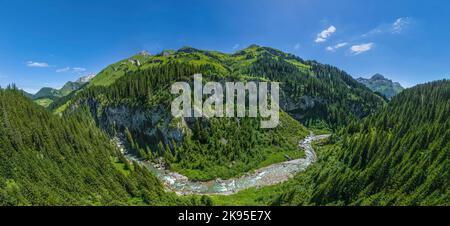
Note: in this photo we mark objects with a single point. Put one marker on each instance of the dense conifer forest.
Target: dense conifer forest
(400, 156)
(48, 160)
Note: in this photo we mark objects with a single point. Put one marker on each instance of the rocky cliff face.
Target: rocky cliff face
(85, 79)
(296, 108)
(152, 124)
(310, 92)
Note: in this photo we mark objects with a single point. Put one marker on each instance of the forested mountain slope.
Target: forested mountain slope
(400, 156)
(138, 106)
(132, 97)
(313, 93)
(48, 160)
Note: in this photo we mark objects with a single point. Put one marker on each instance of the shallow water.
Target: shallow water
(269, 175)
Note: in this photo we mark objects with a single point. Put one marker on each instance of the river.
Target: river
(270, 175)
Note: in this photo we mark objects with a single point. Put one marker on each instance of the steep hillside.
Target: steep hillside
(47, 92)
(47, 160)
(378, 83)
(315, 94)
(400, 156)
(138, 106)
(132, 97)
(29, 95)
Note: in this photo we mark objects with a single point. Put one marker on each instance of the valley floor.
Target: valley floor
(267, 176)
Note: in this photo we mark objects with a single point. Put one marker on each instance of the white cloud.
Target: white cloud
(37, 64)
(66, 69)
(340, 45)
(337, 46)
(79, 69)
(69, 69)
(396, 27)
(358, 49)
(373, 32)
(236, 46)
(325, 34)
(297, 46)
(400, 24)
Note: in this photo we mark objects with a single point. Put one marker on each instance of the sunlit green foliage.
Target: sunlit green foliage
(48, 160)
(400, 156)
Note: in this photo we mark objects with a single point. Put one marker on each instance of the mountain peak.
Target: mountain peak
(253, 46)
(52, 94)
(144, 53)
(187, 49)
(86, 78)
(383, 85)
(378, 77)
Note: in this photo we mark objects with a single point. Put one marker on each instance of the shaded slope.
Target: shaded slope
(400, 156)
(46, 160)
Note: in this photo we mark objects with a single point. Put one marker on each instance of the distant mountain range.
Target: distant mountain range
(378, 83)
(47, 95)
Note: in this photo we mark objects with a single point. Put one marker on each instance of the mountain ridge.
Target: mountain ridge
(47, 95)
(132, 97)
(243, 63)
(378, 83)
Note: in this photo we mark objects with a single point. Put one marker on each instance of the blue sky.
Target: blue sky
(48, 42)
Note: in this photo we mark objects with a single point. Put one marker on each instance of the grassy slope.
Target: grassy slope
(223, 63)
(44, 102)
